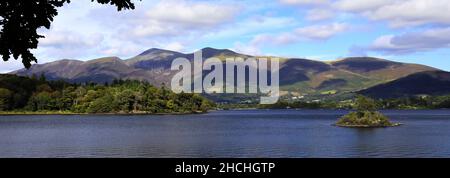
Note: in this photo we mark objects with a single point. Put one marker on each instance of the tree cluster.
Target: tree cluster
(366, 115)
(121, 96)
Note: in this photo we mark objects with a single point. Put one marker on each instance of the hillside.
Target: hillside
(422, 83)
(297, 76)
(379, 68)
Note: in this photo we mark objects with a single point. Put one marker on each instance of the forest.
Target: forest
(36, 94)
(413, 103)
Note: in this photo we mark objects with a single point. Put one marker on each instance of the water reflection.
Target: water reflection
(254, 133)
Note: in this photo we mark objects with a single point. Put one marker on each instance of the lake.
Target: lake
(245, 133)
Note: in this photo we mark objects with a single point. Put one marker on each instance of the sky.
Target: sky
(413, 31)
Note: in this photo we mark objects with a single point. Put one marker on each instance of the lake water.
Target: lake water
(247, 133)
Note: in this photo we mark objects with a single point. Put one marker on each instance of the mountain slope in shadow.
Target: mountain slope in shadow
(422, 83)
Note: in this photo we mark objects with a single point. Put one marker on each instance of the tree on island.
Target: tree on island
(20, 19)
(366, 115)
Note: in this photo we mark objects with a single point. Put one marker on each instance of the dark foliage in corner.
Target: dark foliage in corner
(20, 20)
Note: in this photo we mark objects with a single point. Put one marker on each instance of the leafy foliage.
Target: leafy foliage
(417, 102)
(365, 115)
(21, 18)
(122, 96)
(363, 103)
(296, 104)
(364, 118)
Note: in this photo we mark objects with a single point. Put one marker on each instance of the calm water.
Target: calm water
(251, 133)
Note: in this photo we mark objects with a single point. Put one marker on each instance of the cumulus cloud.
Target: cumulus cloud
(319, 14)
(123, 49)
(174, 46)
(191, 14)
(361, 6)
(413, 13)
(427, 21)
(254, 24)
(305, 2)
(67, 39)
(247, 25)
(413, 42)
(176, 18)
(398, 13)
(67, 44)
(321, 32)
(270, 39)
(313, 32)
(310, 33)
(432, 15)
(168, 24)
(11, 65)
(153, 28)
(247, 49)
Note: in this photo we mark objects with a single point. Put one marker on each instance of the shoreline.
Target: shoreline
(367, 126)
(331, 109)
(18, 113)
(9, 113)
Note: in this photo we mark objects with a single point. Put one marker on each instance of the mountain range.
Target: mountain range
(298, 77)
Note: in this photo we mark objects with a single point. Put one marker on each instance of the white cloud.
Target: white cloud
(129, 48)
(413, 13)
(251, 25)
(11, 65)
(275, 39)
(305, 2)
(174, 46)
(411, 42)
(178, 18)
(158, 23)
(321, 32)
(359, 6)
(319, 14)
(427, 21)
(122, 49)
(314, 33)
(68, 39)
(167, 24)
(192, 14)
(153, 28)
(246, 49)
(66, 44)
(400, 13)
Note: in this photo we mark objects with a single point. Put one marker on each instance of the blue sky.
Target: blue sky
(416, 31)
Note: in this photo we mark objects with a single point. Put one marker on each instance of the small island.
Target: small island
(365, 116)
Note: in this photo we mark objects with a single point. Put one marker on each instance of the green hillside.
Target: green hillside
(298, 77)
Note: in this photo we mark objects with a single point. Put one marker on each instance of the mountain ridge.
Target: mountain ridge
(297, 76)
